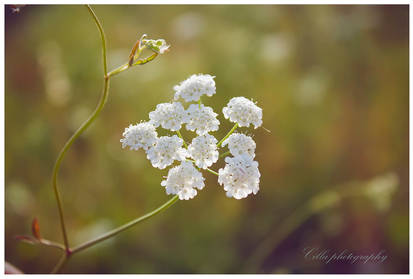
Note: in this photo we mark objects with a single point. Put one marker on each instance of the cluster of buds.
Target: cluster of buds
(240, 176)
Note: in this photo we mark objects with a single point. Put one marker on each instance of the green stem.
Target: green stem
(102, 36)
(207, 169)
(211, 171)
(66, 147)
(81, 129)
(68, 252)
(126, 66)
(126, 226)
(229, 133)
(179, 135)
(119, 69)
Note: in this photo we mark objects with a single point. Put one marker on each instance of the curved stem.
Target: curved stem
(102, 36)
(68, 252)
(79, 131)
(229, 133)
(66, 147)
(125, 227)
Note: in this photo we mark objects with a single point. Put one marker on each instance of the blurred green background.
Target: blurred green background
(333, 82)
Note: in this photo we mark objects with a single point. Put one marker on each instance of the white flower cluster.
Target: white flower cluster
(202, 119)
(166, 151)
(244, 112)
(142, 135)
(203, 150)
(169, 116)
(239, 144)
(194, 87)
(182, 180)
(240, 176)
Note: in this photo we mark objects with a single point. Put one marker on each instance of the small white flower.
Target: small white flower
(239, 144)
(203, 150)
(240, 177)
(183, 180)
(166, 151)
(243, 111)
(142, 135)
(194, 87)
(170, 116)
(202, 119)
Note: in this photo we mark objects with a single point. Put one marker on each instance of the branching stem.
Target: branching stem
(69, 252)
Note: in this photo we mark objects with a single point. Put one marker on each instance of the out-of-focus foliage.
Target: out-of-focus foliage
(333, 85)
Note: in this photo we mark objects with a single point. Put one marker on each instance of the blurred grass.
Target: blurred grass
(333, 85)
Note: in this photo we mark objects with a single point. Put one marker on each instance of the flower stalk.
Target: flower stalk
(103, 99)
(125, 226)
(227, 135)
(180, 135)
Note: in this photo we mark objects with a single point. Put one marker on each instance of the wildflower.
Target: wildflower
(182, 180)
(240, 176)
(239, 144)
(243, 111)
(194, 87)
(142, 135)
(166, 151)
(202, 119)
(203, 150)
(170, 116)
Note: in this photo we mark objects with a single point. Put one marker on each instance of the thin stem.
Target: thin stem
(126, 226)
(68, 252)
(79, 131)
(63, 259)
(126, 66)
(50, 243)
(207, 169)
(179, 135)
(102, 35)
(66, 147)
(229, 133)
(211, 171)
(119, 69)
